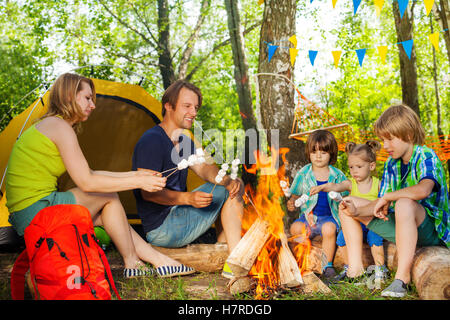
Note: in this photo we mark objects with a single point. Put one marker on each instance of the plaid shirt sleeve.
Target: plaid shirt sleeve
(296, 186)
(386, 180)
(430, 168)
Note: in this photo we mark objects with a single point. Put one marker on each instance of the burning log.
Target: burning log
(288, 269)
(243, 256)
(240, 284)
(312, 284)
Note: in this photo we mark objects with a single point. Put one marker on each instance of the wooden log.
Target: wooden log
(288, 269)
(201, 257)
(240, 284)
(243, 256)
(312, 284)
(431, 273)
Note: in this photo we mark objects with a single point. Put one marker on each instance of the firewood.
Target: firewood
(201, 257)
(312, 284)
(240, 284)
(243, 256)
(431, 273)
(288, 269)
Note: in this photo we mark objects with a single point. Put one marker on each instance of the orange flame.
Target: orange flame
(265, 202)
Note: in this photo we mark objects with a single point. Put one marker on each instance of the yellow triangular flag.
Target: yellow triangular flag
(293, 40)
(336, 57)
(428, 5)
(293, 53)
(382, 51)
(434, 38)
(334, 3)
(379, 6)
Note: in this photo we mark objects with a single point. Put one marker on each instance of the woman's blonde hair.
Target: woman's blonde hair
(402, 122)
(62, 99)
(367, 151)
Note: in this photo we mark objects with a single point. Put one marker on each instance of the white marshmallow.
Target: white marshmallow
(283, 184)
(336, 196)
(183, 164)
(235, 162)
(225, 166)
(199, 152)
(192, 160)
(222, 173)
(218, 179)
(301, 201)
(233, 176)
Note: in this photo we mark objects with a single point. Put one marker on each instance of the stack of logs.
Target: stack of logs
(430, 271)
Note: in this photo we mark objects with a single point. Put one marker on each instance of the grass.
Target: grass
(202, 286)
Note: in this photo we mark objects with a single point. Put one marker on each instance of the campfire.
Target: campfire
(265, 254)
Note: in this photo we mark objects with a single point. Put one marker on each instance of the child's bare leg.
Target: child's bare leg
(298, 230)
(377, 254)
(353, 239)
(409, 214)
(344, 254)
(329, 240)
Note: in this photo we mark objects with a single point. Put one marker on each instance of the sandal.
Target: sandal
(173, 271)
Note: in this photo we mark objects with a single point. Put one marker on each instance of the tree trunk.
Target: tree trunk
(240, 65)
(276, 92)
(408, 69)
(442, 15)
(165, 56)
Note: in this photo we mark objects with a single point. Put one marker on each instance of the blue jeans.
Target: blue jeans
(185, 223)
(369, 236)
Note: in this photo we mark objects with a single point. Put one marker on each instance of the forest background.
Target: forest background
(220, 44)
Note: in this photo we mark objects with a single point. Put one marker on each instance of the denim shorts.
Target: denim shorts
(185, 223)
(317, 229)
(22, 218)
(369, 236)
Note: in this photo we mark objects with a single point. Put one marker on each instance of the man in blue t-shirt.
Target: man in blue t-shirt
(174, 217)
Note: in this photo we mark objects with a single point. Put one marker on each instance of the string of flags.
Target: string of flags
(360, 53)
(402, 4)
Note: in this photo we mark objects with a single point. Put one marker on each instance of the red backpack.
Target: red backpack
(64, 258)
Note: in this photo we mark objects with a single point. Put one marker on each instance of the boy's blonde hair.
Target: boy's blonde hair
(402, 122)
(62, 99)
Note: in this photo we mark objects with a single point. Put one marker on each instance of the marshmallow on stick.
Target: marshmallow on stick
(223, 171)
(301, 201)
(284, 186)
(336, 196)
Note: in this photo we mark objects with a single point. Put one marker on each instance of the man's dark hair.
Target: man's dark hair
(173, 91)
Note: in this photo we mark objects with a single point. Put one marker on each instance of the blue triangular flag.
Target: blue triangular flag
(360, 53)
(312, 56)
(402, 5)
(407, 46)
(310, 1)
(272, 50)
(356, 4)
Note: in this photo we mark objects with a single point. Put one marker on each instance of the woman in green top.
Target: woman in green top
(49, 148)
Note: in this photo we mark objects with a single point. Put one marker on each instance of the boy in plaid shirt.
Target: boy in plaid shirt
(412, 206)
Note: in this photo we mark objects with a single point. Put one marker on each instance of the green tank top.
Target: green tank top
(33, 170)
(371, 195)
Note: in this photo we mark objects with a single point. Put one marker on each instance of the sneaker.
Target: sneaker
(357, 281)
(341, 276)
(329, 273)
(396, 289)
(226, 272)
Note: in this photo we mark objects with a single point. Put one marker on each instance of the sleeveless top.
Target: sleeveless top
(34, 167)
(371, 195)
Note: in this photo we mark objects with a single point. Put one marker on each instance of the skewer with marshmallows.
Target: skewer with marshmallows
(223, 171)
(193, 159)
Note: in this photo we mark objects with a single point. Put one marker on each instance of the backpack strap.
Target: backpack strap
(18, 272)
(108, 270)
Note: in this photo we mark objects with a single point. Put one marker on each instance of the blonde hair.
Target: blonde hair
(62, 100)
(367, 151)
(402, 122)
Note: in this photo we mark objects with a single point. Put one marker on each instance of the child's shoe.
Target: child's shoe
(328, 272)
(381, 273)
(396, 289)
(341, 276)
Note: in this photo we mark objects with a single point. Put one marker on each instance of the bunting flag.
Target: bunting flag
(272, 50)
(407, 46)
(379, 6)
(361, 53)
(293, 40)
(336, 56)
(428, 5)
(310, 1)
(402, 5)
(434, 38)
(334, 3)
(382, 51)
(260, 2)
(356, 4)
(293, 53)
(312, 56)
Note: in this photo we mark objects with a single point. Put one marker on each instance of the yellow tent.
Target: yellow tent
(123, 113)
